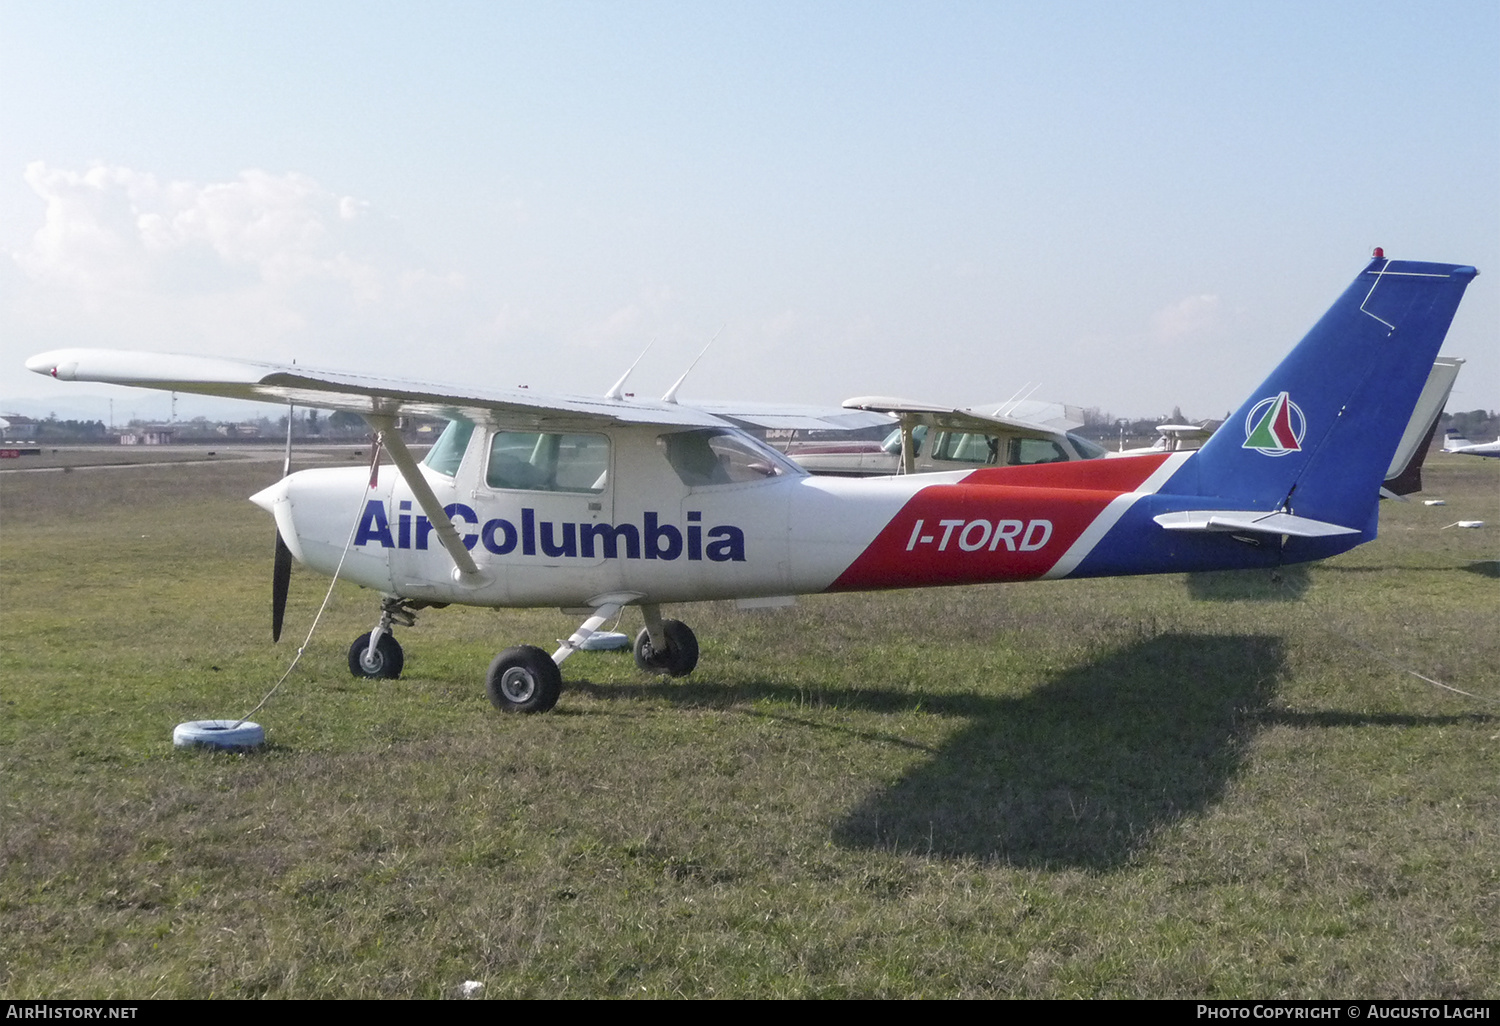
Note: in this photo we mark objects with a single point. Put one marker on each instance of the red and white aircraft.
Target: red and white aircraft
(533, 500)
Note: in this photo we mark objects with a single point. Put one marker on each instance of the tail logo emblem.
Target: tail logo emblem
(1275, 426)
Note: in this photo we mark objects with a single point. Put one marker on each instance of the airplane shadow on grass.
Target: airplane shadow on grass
(1082, 772)
(1089, 767)
(1284, 584)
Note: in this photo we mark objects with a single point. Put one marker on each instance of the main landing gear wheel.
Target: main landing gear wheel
(387, 661)
(523, 679)
(681, 654)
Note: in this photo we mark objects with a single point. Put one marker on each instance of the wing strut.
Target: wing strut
(908, 447)
(467, 571)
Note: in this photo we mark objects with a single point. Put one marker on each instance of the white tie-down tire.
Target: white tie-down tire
(229, 734)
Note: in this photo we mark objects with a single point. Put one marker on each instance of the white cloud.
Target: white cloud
(629, 321)
(1186, 319)
(112, 227)
(263, 264)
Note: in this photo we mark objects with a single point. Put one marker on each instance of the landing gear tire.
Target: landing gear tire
(679, 658)
(523, 679)
(385, 665)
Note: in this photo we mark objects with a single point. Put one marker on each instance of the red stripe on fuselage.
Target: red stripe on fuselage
(997, 524)
(1120, 474)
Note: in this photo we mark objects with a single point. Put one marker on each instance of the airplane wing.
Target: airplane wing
(948, 418)
(1062, 416)
(385, 397)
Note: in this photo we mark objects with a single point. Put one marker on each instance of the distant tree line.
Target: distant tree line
(307, 425)
(1475, 425)
(54, 430)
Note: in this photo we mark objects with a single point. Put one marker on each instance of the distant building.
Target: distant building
(155, 434)
(18, 427)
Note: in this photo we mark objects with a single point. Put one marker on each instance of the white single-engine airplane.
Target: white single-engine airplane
(533, 500)
(1455, 442)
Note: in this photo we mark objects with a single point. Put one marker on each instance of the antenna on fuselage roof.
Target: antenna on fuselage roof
(671, 395)
(617, 391)
(1016, 398)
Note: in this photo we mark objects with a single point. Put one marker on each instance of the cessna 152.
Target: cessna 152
(600, 503)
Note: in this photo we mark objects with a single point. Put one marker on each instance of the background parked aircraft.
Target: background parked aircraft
(1457, 443)
(968, 438)
(934, 438)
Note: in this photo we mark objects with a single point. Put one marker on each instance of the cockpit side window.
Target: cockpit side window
(715, 456)
(448, 451)
(542, 461)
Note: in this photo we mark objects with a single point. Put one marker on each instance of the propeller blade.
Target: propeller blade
(281, 568)
(281, 579)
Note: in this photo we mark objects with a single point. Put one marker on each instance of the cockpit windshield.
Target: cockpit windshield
(715, 456)
(892, 443)
(448, 451)
(1086, 449)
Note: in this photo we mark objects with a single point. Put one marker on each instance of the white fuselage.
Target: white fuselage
(643, 533)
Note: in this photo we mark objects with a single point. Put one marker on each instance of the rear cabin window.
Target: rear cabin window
(1025, 451)
(448, 451)
(541, 461)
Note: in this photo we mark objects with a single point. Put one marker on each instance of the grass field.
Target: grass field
(1219, 786)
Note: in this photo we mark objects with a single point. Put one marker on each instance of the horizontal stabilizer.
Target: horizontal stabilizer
(1228, 520)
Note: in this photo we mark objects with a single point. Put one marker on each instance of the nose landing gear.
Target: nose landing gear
(378, 654)
(382, 660)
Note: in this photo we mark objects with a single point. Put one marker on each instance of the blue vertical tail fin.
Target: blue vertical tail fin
(1316, 438)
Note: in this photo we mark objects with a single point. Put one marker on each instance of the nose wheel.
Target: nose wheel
(378, 654)
(384, 659)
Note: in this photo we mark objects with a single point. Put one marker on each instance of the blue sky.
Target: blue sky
(1129, 206)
